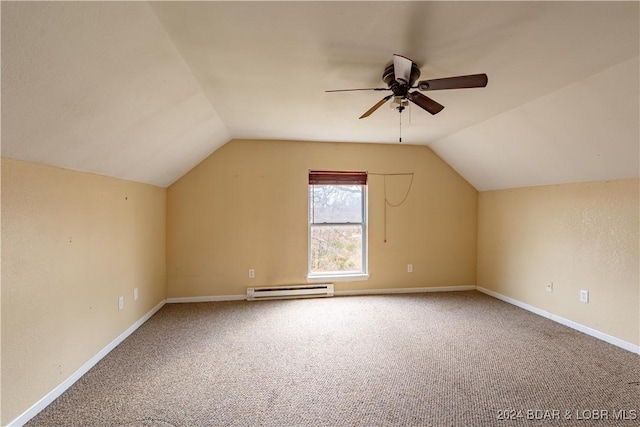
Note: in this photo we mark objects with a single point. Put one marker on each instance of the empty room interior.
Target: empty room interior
(445, 194)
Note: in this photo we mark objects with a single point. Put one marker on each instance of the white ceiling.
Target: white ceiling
(144, 91)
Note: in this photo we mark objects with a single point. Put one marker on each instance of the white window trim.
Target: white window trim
(356, 277)
(344, 276)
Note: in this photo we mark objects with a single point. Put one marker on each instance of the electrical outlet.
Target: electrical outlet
(120, 303)
(584, 296)
(252, 273)
(135, 294)
(550, 287)
(409, 268)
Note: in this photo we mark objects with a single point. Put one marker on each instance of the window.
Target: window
(337, 223)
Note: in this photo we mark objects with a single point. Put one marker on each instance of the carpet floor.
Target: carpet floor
(431, 359)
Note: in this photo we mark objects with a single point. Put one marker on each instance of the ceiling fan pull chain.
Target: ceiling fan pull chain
(400, 137)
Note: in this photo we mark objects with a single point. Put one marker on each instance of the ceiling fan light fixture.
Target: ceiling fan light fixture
(399, 102)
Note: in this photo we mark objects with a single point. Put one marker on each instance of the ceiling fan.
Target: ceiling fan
(401, 76)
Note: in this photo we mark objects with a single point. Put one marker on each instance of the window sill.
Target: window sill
(337, 278)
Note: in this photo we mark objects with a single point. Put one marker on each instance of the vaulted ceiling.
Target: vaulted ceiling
(145, 90)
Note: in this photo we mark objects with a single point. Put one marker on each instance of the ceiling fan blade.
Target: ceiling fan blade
(458, 82)
(375, 107)
(402, 68)
(351, 90)
(425, 102)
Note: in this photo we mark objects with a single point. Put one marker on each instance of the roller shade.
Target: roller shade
(337, 178)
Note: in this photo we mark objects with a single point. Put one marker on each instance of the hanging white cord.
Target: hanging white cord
(387, 203)
(385, 209)
(406, 194)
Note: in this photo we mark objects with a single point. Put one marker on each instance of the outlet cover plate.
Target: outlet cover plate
(584, 296)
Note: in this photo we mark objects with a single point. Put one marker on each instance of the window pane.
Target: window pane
(336, 248)
(335, 203)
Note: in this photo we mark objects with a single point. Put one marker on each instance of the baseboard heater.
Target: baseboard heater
(289, 292)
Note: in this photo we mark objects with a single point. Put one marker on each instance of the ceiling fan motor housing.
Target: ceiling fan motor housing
(399, 89)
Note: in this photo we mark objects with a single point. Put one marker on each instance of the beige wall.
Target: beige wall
(246, 207)
(578, 236)
(72, 244)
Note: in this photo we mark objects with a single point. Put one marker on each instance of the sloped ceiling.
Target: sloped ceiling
(144, 91)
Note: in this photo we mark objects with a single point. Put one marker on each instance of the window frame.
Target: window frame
(339, 178)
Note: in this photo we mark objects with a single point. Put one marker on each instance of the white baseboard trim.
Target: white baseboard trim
(62, 387)
(403, 290)
(212, 298)
(566, 322)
